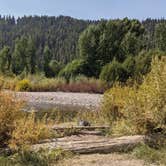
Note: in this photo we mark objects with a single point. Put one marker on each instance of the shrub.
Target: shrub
(17, 128)
(39, 83)
(23, 85)
(84, 84)
(47, 84)
(9, 112)
(29, 131)
(8, 82)
(72, 69)
(129, 66)
(143, 62)
(139, 110)
(113, 72)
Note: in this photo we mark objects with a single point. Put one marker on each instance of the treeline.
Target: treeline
(113, 50)
(117, 50)
(60, 34)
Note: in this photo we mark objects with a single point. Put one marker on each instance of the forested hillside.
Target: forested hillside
(60, 34)
(112, 50)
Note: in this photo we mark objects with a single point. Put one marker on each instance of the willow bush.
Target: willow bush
(9, 113)
(18, 129)
(29, 130)
(138, 109)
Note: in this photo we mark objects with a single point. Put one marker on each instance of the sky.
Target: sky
(86, 9)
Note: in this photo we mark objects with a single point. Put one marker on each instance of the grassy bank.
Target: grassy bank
(39, 83)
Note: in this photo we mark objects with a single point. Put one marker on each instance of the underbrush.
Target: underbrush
(17, 128)
(40, 158)
(150, 155)
(138, 109)
(65, 116)
(39, 83)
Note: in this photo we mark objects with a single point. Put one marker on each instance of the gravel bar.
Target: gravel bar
(49, 100)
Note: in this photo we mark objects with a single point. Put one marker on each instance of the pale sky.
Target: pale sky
(86, 9)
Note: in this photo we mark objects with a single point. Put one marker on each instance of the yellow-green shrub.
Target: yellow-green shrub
(29, 131)
(23, 85)
(138, 110)
(10, 83)
(16, 127)
(9, 112)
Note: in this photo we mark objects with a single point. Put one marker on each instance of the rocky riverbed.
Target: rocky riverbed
(49, 100)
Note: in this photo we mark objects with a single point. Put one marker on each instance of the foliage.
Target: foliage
(47, 58)
(59, 33)
(55, 66)
(23, 85)
(72, 69)
(138, 110)
(100, 44)
(29, 131)
(39, 83)
(67, 47)
(31, 45)
(150, 155)
(113, 72)
(5, 59)
(9, 112)
(129, 66)
(20, 59)
(40, 158)
(160, 36)
(17, 128)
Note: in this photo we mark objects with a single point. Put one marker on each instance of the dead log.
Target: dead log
(92, 144)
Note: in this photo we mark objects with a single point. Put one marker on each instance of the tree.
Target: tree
(131, 44)
(88, 45)
(114, 39)
(47, 59)
(129, 66)
(55, 66)
(72, 69)
(160, 36)
(113, 72)
(31, 55)
(19, 56)
(5, 59)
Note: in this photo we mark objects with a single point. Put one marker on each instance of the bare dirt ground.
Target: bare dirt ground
(48, 100)
(103, 160)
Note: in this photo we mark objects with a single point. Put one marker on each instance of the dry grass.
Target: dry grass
(17, 128)
(29, 131)
(42, 84)
(9, 113)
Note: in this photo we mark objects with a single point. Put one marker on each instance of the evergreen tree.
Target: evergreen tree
(47, 59)
(5, 59)
(20, 59)
(31, 55)
(160, 36)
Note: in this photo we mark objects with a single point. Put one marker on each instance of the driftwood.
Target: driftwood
(92, 144)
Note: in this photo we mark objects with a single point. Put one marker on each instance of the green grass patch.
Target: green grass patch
(29, 158)
(150, 155)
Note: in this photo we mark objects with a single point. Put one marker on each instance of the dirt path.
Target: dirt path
(103, 160)
(47, 100)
